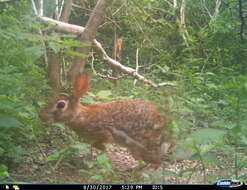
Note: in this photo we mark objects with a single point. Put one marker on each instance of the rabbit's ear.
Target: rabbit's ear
(81, 85)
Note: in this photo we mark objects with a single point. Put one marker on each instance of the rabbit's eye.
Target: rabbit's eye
(60, 105)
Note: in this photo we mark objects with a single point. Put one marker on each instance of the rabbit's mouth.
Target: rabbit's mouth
(58, 117)
(46, 116)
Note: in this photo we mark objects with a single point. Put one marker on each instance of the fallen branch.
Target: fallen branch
(79, 29)
(129, 70)
(65, 27)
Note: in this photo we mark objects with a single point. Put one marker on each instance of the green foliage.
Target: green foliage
(58, 156)
(3, 172)
(103, 166)
(208, 105)
(22, 82)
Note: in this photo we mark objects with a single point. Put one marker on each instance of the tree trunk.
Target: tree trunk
(95, 19)
(54, 68)
(116, 54)
(66, 11)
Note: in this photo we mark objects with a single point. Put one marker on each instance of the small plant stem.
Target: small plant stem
(236, 164)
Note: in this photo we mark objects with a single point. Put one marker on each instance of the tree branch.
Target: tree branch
(181, 21)
(79, 29)
(95, 19)
(66, 10)
(34, 8)
(129, 70)
(65, 27)
(137, 64)
(217, 8)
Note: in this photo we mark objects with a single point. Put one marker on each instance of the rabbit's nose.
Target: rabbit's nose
(46, 118)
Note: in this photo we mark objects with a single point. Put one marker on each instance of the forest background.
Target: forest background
(190, 57)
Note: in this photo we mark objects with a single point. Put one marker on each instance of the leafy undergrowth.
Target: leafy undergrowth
(60, 158)
(204, 152)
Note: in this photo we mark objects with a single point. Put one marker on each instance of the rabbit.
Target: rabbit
(134, 124)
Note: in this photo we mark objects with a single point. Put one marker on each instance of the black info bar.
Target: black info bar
(110, 187)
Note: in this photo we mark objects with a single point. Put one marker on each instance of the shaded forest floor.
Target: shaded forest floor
(51, 160)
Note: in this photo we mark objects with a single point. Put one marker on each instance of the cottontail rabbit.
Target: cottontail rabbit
(134, 124)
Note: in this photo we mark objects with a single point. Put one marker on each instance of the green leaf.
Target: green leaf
(163, 69)
(55, 46)
(59, 125)
(89, 164)
(97, 178)
(145, 175)
(9, 121)
(1, 151)
(183, 153)
(104, 162)
(242, 162)
(55, 155)
(210, 157)
(168, 173)
(75, 53)
(73, 43)
(104, 94)
(102, 159)
(211, 86)
(34, 52)
(206, 148)
(183, 172)
(80, 147)
(85, 172)
(208, 135)
(3, 171)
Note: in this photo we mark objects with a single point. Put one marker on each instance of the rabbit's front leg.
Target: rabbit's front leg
(100, 146)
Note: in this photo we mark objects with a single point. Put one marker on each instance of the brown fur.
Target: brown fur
(134, 124)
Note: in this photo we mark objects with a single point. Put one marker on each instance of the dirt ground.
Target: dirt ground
(71, 167)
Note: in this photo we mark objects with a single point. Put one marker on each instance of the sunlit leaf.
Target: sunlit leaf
(104, 94)
(208, 135)
(9, 121)
(55, 46)
(75, 53)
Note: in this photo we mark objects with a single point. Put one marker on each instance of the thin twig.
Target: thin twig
(61, 10)
(137, 64)
(123, 4)
(41, 9)
(34, 8)
(206, 8)
(40, 31)
(101, 75)
(77, 6)
(217, 8)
